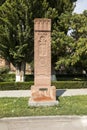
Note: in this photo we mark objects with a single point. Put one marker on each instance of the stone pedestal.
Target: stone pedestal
(42, 93)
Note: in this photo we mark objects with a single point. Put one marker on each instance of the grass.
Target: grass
(14, 107)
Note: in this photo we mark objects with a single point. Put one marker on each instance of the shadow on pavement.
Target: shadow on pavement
(60, 92)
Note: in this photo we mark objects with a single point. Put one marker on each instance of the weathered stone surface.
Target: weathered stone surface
(42, 92)
(42, 52)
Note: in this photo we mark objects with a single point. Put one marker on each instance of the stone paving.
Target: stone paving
(15, 93)
(27, 93)
(44, 123)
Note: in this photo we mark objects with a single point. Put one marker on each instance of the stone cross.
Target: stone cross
(42, 93)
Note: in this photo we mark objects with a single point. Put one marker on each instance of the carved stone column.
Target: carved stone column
(42, 93)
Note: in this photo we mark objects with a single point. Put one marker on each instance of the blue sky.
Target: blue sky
(81, 5)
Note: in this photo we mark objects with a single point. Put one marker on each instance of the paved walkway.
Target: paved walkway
(15, 93)
(44, 123)
(27, 93)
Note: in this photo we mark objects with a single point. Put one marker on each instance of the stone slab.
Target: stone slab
(42, 103)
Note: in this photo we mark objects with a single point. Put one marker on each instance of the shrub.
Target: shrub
(70, 84)
(57, 84)
(15, 86)
(8, 77)
(4, 70)
(29, 77)
(71, 77)
(5, 77)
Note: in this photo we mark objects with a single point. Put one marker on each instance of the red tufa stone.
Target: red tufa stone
(42, 89)
(43, 98)
(43, 93)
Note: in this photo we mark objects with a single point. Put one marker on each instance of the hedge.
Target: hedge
(57, 84)
(70, 84)
(15, 86)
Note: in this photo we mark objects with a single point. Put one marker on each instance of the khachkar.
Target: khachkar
(42, 93)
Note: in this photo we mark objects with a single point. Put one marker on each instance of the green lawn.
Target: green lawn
(75, 105)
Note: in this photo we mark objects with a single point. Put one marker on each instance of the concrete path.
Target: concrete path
(71, 92)
(44, 123)
(15, 93)
(27, 93)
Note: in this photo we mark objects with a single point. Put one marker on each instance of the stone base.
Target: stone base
(42, 103)
(43, 96)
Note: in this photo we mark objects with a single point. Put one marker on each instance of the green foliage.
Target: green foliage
(60, 12)
(79, 26)
(61, 49)
(77, 57)
(29, 78)
(3, 72)
(70, 84)
(16, 25)
(71, 50)
(15, 86)
(2, 1)
(16, 31)
(61, 41)
(8, 77)
(71, 77)
(57, 84)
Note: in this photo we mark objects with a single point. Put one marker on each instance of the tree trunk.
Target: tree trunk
(53, 74)
(20, 72)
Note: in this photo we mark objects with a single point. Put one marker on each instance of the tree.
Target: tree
(15, 35)
(79, 34)
(61, 41)
(16, 28)
(78, 46)
(2, 1)
(16, 32)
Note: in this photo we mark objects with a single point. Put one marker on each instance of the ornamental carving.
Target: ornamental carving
(42, 46)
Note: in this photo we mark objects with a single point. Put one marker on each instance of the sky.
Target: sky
(81, 5)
